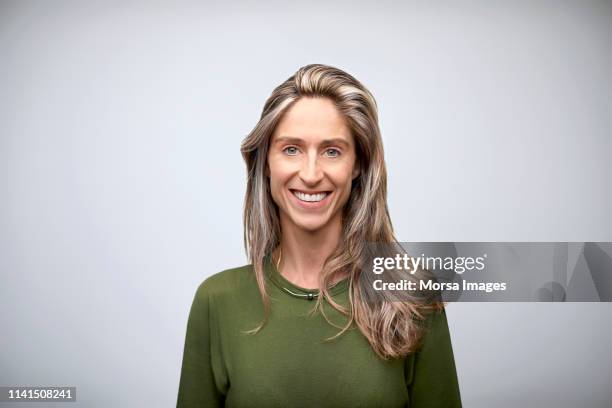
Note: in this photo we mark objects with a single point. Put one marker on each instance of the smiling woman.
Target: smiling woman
(292, 328)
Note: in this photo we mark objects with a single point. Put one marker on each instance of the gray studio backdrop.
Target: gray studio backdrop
(121, 182)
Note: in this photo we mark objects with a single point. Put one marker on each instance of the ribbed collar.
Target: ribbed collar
(281, 282)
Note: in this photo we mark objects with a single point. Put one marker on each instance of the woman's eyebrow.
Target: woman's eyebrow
(334, 141)
(288, 139)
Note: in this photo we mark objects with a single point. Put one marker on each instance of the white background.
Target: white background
(121, 181)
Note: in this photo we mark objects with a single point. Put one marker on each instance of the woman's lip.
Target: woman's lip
(309, 192)
(311, 205)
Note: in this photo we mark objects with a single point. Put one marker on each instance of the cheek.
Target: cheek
(278, 177)
(281, 170)
(343, 179)
(347, 170)
(275, 186)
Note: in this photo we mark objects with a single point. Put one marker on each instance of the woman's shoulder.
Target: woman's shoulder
(229, 281)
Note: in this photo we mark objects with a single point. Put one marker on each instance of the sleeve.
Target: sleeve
(433, 380)
(197, 386)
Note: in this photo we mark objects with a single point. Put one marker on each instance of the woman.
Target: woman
(292, 329)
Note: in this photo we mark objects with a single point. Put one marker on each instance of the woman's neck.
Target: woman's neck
(304, 252)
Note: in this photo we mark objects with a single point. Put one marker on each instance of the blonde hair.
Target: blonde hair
(391, 328)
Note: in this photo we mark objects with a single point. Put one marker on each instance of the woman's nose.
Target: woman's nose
(311, 172)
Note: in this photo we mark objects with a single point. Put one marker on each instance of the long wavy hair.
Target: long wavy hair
(391, 328)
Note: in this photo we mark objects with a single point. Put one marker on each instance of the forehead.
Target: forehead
(313, 119)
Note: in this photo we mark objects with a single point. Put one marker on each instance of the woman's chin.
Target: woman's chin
(311, 225)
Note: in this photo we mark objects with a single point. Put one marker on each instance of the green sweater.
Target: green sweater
(290, 364)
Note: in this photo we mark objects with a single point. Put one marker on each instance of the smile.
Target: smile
(310, 198)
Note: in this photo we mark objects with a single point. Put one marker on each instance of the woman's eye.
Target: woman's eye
(332, 152)
(291, 150)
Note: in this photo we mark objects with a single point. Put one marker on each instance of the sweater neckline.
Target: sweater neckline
(283, 284)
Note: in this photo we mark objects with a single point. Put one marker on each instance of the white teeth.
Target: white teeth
(310, 197)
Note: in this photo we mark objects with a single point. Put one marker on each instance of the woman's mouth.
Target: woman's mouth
(311, 200)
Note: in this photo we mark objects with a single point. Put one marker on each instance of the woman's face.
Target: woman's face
(311, 164)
